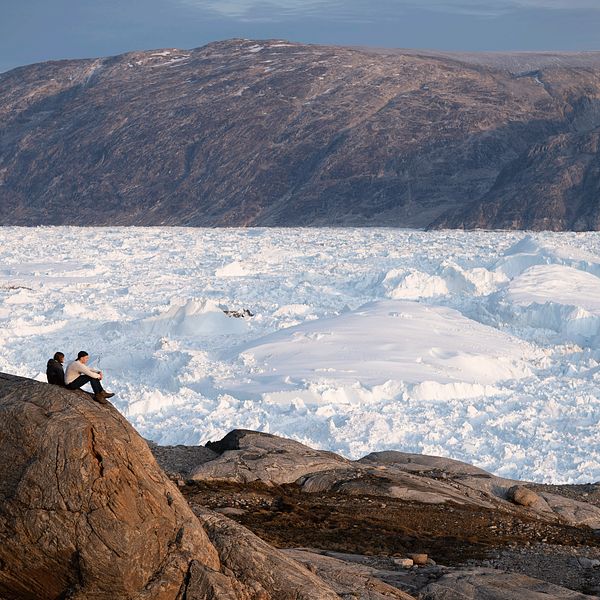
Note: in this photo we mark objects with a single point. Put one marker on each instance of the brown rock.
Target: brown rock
(258, 566)
(204, 584)
(519, 494)
(86, 513)
(83, 504)
(419, 559)
(405, 563)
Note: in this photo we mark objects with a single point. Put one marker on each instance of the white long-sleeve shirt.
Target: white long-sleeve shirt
(77, 368)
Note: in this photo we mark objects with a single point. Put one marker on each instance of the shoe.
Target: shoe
(107, 394)
(100, 399)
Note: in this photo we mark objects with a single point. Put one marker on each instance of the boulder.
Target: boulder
(405, 563)
(419, 559)
(87, 514)
(523, 496)
(85, 511)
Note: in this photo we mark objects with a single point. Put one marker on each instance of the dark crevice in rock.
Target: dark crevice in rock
(95, 452)
(57, 477)
(182, 595)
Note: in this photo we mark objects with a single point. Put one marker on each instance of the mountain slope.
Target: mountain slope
(272, 133)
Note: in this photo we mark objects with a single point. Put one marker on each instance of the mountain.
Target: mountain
(246, 133)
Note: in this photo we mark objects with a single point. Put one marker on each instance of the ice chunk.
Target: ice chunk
(559, 298)
(195, 317)
(388, 340)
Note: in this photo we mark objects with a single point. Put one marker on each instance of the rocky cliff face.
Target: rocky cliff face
(272, 133)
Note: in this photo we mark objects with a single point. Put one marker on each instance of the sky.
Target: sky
(39, 30)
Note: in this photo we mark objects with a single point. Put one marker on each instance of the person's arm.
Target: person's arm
(84, 370)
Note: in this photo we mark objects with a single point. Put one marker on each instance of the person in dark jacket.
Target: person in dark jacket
(54, 370)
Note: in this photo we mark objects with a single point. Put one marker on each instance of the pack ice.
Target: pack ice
(479, 346)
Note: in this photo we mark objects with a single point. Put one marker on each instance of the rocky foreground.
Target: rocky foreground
(273, 133)
(87, 512)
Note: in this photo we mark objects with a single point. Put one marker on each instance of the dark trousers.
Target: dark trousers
(82, 380)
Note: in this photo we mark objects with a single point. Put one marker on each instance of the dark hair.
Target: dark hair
(81, 354)
(58, 356)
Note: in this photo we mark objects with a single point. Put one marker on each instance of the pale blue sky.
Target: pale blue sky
(37, 30)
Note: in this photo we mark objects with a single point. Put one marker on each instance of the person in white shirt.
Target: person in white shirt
(78, 374)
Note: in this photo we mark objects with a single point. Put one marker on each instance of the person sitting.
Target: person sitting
(78, 374)
(54, 370)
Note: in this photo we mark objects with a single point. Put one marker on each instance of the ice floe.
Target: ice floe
(402, 341)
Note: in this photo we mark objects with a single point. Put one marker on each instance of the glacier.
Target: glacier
(479, 346)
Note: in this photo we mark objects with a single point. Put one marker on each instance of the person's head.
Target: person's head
(83, 356)
(60, 357)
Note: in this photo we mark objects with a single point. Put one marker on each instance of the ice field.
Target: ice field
(480, 346)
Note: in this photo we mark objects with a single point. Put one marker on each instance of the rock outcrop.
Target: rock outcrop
(348, 573)
(380, 520)
(265, 571)
(492, 585)
(346, 578)
(86, 513)
(246, 456)
(274, 133)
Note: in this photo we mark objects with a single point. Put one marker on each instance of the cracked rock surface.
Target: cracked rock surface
(85, 511)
